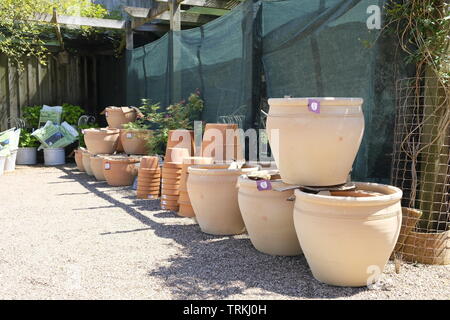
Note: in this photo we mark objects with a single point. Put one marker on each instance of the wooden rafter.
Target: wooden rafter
(80, 21)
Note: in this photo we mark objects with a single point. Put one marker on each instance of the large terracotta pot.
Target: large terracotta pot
(222, 142)
(348, 240)
(134, 141)
(116, 116)
(86, 159)
(79, 159)
(97, 167)
(181, 138)
(101, 141)
(118, 171)
(214, 196)
(268, 216)
(315, 149)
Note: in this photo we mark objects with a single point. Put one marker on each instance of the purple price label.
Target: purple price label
(314, 105)
(263, 185)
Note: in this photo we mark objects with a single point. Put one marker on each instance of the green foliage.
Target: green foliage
(31, 116)
(177, 116)
(71, 113)
(20, 36)
(423, 28)
(27, 140)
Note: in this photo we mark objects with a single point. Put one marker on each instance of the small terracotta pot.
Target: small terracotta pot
(170, 198)
(170, 192)
(149, 162)
(117, 116)
(184, 197)
(186, 210)
(171, 165)
(176, 155)
(169, 208)
(86, 159)
(172, 203)
(268, 216)
(101, 141)
(79, 160)
(214, 196)
(181, 139)
(147, 196)
(347, 241)
(118, 171)
(170, 187)
(176, 176)
(171, 170)
(135, 141)
(97, 167)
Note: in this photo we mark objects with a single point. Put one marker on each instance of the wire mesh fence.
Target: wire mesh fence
(421, 162)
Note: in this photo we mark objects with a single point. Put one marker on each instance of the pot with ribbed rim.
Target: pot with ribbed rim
(268, 216)
(101, 141)
(315, 140)
(213, 193)
(347, 240)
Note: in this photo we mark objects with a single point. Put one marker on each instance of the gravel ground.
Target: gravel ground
(65, 236)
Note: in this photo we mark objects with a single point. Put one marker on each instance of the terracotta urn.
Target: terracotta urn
(101, 141)
(315, 140)
(97, 166)
(79, 159)
(118, 116)
(347, 240)
(214, 197)
(118, 171)
(268, 215)
(86, 159)
(135, 141)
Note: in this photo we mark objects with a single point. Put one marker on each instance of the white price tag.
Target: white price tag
(107, 166)
(129, 135)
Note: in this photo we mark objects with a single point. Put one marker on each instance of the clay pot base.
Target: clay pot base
(186, 211)
(169, 198)
(147, 196)
(170, 192)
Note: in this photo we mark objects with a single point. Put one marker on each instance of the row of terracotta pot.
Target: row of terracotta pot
(106, 140)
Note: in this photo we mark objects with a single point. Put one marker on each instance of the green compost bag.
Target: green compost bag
(52, 114)
(55, 136)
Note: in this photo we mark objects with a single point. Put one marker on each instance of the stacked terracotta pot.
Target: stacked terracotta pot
(184, 202)
(149, 178)
(222, 142)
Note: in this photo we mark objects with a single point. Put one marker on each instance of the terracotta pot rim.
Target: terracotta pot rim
(102, 130)
(324, 101)
(390, 194)
(121, 160)
(219, 169)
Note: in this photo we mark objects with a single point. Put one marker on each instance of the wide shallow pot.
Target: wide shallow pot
(214, 197)
(134, 141)
(54, 156)
(79, 159)
(348, 240)
(26, 155)
(315, 148)
(101, 141)
(86, 159)
(118, 171)
(97, 167)
(118, 116)
(268, 216)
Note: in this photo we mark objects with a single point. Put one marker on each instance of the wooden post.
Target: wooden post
(175, 56)
(129, 36)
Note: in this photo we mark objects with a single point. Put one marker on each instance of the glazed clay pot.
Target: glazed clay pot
(116, 116)
(134, 141)
(118, 171)
(101, 141)
(97, 167)
(315, 149)
(79, 160)
(86, 159)
(348, 240)
(268, 217)
(214, 196)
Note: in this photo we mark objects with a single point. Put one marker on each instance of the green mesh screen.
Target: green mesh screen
(302, 47)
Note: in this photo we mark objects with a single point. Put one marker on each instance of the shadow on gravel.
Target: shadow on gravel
(218, 267)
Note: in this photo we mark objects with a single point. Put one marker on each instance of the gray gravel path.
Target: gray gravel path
(65, 236)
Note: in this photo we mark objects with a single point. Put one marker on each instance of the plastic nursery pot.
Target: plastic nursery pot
(54, 156)
(97, 167)
(79, 160)
(268, 216)
(315, 145)
(118, 116)
(118, 171)
(86, 159)
(28, 155)
(214, 196)
(135, 141)
(348, 240)
(101, 141)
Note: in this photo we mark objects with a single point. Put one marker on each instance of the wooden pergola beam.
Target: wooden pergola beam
(142, 15)
(80, 21)
(216, 4)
